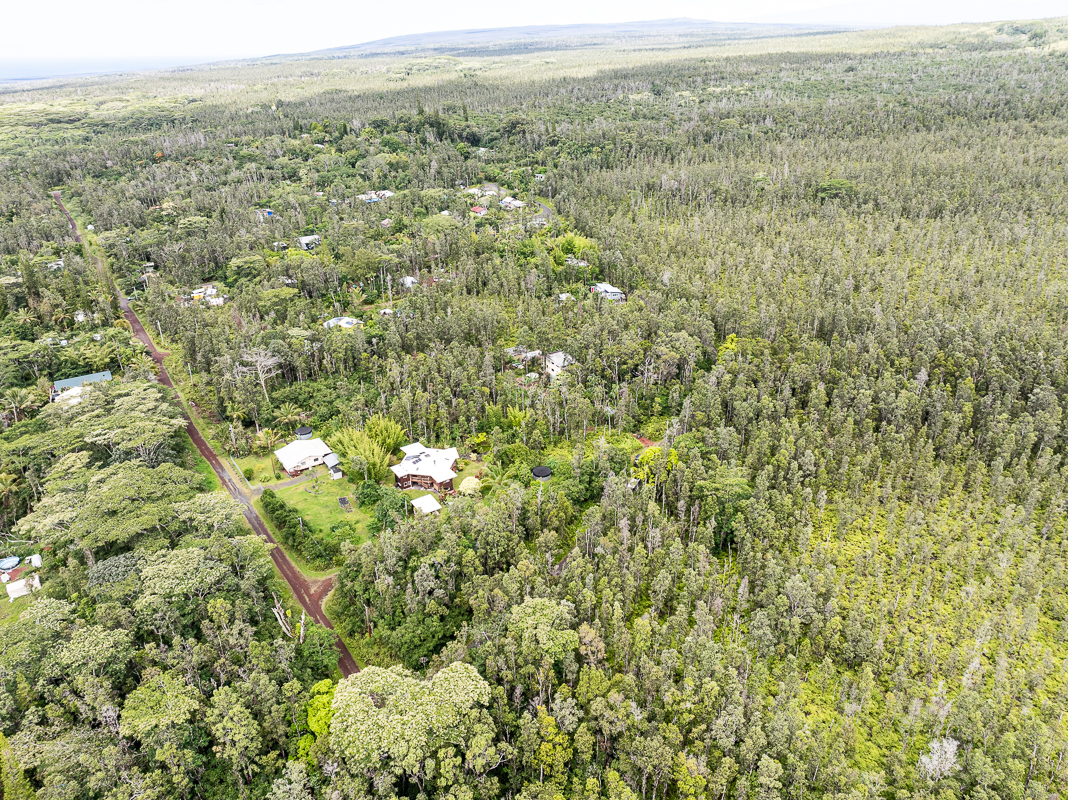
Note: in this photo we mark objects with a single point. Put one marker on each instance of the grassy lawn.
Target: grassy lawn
(10, 610)
(298, 560)
(263, 469)
(317, 503)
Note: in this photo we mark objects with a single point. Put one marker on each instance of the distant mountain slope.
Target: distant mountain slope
(530, 34)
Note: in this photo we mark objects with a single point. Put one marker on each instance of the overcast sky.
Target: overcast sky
(67, 37)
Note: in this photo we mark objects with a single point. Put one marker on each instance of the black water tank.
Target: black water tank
(542, 473)
(304, 432)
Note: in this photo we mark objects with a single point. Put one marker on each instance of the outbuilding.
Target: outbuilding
(427, 504)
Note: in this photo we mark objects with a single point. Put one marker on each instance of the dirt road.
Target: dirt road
(310, 594)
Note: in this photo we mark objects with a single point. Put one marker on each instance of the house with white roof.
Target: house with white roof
(426, 467)
(557, 362)
(343, 322)
(608, 292)
(301, 455)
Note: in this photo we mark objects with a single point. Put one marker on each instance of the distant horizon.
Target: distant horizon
(857, 14)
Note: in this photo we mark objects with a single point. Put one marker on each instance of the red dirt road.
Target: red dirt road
(310, 595)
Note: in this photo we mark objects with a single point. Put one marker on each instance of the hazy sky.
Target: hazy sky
(101, 35)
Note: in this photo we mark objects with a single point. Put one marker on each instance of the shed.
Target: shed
(333, 463)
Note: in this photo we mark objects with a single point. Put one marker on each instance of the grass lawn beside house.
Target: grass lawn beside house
(321, 509)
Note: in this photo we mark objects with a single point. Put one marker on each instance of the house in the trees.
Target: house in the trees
(301, 455)
(520, 355)
(426, 468)
(557, 362)
(408, 282)
(309, 242)
(608, 292)
(343, 322)
(69, 384)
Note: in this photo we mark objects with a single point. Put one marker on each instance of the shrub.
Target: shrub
(248, 472)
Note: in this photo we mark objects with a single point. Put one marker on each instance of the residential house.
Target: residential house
(557, 362)
(59, 387)
(343, 322)
(608, 292)
(301, 455)
(264, 214)
(479, 211)
(520, 354)
(511, 204)
(408, 282)
(309, 242)
(426, 468)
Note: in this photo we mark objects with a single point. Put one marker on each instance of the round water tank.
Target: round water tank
(542, 473)
(9, 563)
(304, 432)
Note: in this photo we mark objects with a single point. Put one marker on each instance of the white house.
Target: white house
(608, 292)
(408, 282)
(557, 362)
(301, 455)
(426, 467)
(309, 242)
(343, 322)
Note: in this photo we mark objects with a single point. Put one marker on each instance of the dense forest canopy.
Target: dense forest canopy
(805, 531)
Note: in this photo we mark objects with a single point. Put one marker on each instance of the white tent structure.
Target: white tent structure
(426, 504)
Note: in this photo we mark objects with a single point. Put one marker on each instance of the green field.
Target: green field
(317, 503)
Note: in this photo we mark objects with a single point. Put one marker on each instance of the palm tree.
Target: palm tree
(61, 317)
(289, 414)
(497, 478)
(25, 317)
(268, 439)
(21, 400)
